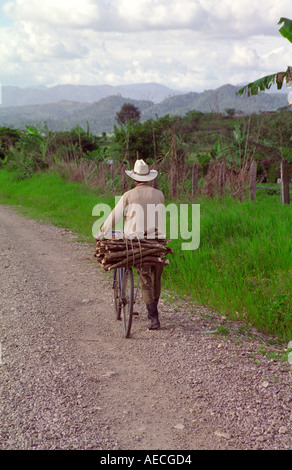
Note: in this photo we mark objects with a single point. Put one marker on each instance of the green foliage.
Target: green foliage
(8, 137)
(286, 28)
(151, 140)
(143, 139)
(75, 144)
(197, 137)
(287, 153)
(34, 149)
(266, 82)
(28, 153)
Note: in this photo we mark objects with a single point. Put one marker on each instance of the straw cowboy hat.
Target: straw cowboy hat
(141, 172)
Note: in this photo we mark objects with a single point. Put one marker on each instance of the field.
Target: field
(242, 268)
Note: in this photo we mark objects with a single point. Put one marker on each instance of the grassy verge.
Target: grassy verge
(242, 267)
(50, 198)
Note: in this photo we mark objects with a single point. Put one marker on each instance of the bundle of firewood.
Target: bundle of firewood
(136, 252)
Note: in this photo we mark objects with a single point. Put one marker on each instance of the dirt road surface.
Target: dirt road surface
(69, 380)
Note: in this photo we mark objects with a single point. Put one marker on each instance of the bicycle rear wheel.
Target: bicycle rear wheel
(117, 293)
(127, 301)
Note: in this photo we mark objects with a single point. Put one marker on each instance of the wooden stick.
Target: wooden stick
(118, 244)
(124, 263)
(131, 258)
(124, 253)
(107, 241)
(135, 253)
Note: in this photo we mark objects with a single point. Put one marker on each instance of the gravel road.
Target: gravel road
(69, 380)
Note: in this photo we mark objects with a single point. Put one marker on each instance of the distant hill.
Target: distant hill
(67, 113)
(15, 96)
(213, 101)
(101, 115)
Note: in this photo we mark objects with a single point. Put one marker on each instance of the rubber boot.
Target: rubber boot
(153, 316)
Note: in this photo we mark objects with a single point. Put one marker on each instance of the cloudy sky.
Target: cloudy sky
(188, 45)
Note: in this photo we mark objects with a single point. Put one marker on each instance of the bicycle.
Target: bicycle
(123, 286)
(124, 298)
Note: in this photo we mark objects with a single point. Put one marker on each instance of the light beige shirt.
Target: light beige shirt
(142, 209)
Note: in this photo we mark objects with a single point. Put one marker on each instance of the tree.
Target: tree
(230, 112)
(128, 112)
(266, 82)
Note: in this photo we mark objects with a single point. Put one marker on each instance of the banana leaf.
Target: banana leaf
(278, 78)
(286, 29)
(266, 82)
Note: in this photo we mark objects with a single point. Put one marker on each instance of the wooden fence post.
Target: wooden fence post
(155, 181)
(173, 181)
(173, 167)
(194, 179)
(112, 170)
(222, 178)
(124, 177)
(285, 196)
(100, 174)
(252, 181)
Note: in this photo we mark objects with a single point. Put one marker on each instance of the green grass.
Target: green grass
(50, 198)
(242, 267)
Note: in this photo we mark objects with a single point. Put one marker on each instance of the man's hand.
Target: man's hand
(98, 236)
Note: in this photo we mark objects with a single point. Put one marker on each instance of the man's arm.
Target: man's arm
(113, 219)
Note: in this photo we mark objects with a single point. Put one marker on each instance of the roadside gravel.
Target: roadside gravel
(69, 380)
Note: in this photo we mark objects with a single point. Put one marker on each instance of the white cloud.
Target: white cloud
(164, 14)
(68, 13)
(243, 56)
(208, 16)
(189, 44)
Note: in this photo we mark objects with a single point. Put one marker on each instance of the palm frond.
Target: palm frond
(278, 78)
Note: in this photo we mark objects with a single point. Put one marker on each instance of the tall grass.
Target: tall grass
(49, 197)
(242, 267)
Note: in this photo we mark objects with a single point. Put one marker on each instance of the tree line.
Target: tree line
(218, 144)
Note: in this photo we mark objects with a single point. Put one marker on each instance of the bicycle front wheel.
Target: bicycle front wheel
(127, 301)
(117, 293)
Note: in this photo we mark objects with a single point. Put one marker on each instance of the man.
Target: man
(143, 211)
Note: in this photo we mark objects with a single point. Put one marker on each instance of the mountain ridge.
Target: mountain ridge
(100, 115)
(16, 96)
